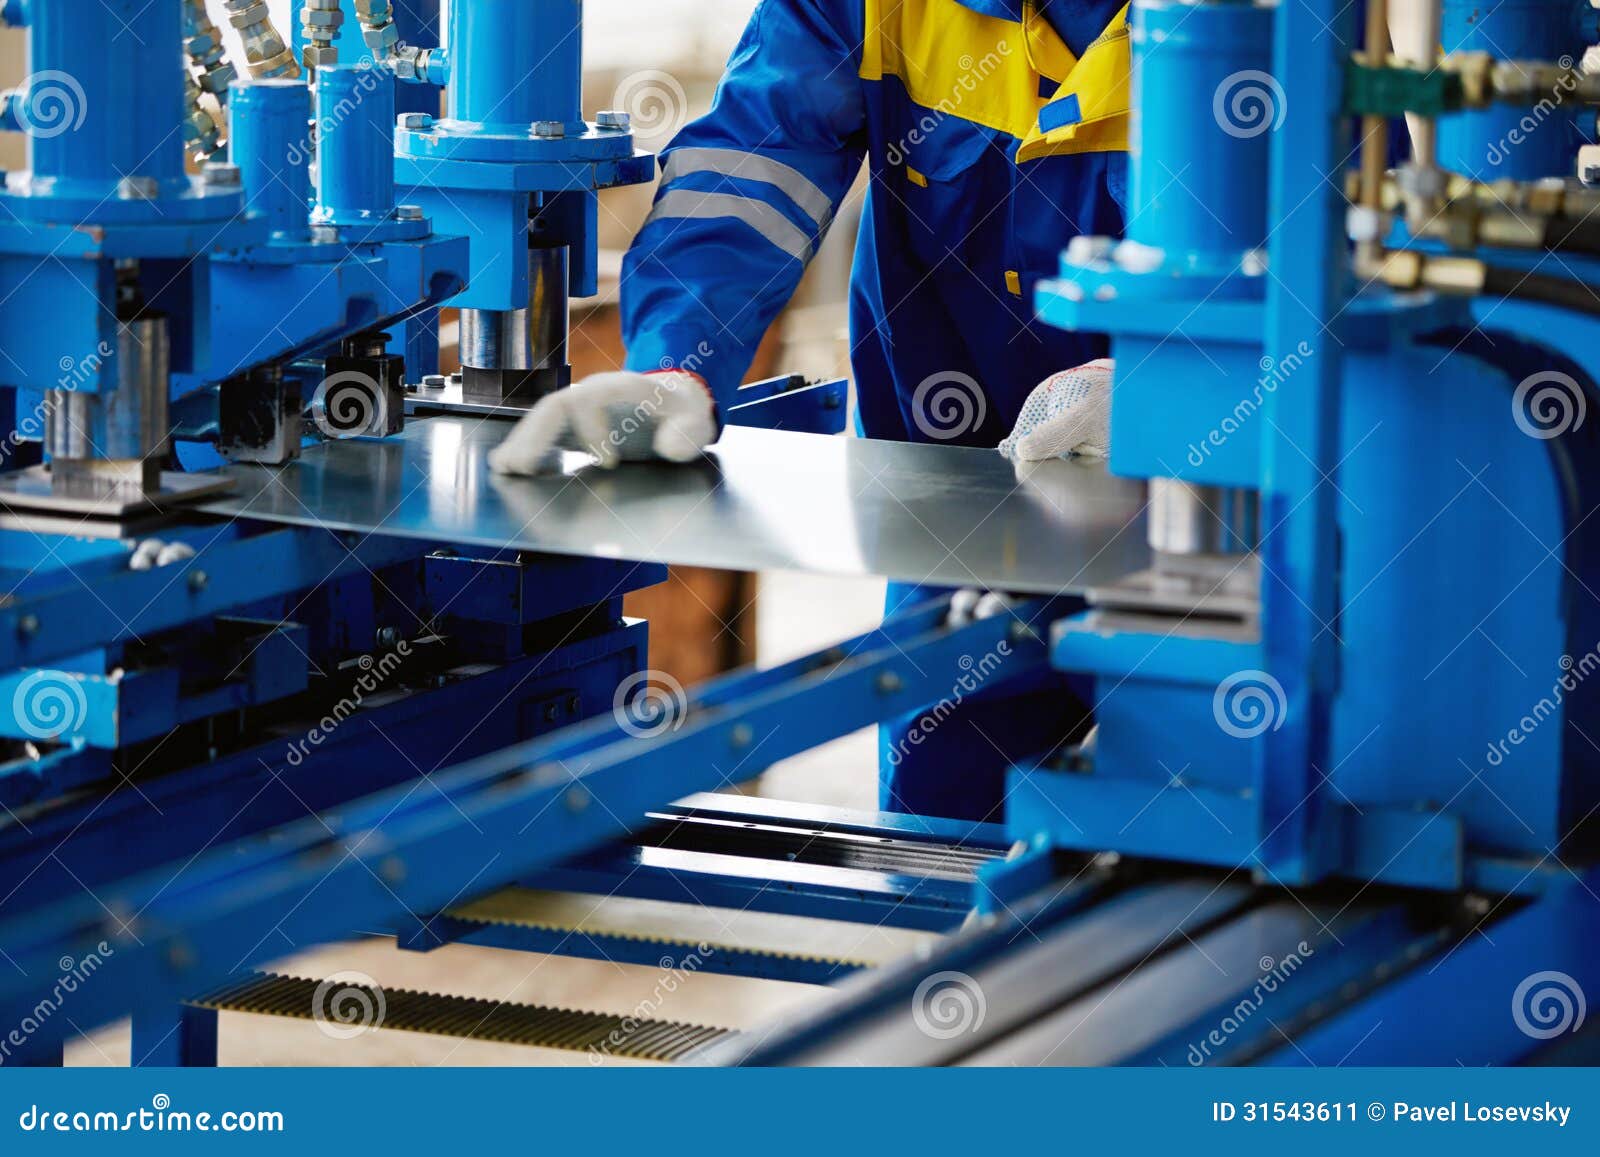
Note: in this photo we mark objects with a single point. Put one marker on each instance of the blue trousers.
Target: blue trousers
(954, 764)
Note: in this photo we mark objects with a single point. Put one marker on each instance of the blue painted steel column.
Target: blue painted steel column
(103, 103)
(1310, 263)
(271, 144)
(355, 149)
(1522, 144)
(521, 61)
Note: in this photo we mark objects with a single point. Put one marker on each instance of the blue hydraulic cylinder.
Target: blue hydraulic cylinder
(271, 144)
(355, 146)
(104, 100)
(1522, 144)
(526, 63)
(1207, 105)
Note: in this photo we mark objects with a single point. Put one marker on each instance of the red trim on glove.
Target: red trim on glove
(716, 410)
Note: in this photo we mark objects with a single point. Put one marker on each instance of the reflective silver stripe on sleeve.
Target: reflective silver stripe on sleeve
(686, 205)
(754, 167)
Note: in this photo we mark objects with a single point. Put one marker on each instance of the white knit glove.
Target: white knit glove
(621, 417)
(153, 553)
(1069, 413)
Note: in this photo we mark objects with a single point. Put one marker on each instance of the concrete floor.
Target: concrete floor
(796, 615)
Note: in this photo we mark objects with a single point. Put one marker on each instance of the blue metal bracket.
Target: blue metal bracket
(531, 806)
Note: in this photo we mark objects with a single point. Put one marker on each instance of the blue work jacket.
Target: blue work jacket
(990, 143)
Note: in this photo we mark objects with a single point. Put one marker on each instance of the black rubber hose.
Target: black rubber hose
(1561, 292)
(1574, 235)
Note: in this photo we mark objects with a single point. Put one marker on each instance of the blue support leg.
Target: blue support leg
(185, 1039)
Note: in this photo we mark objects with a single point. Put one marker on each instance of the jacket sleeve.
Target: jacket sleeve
(747, 195)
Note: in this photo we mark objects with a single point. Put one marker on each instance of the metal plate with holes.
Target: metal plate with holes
(761, 500)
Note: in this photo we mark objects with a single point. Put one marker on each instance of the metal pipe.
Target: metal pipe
(1186, 519)
(1374, 133)
(409, 63)
(521, 354)
(1417, 29)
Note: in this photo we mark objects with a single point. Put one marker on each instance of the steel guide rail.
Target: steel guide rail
(494, 820)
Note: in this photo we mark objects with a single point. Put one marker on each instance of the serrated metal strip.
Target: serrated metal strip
(463, 1017)
(526, 911)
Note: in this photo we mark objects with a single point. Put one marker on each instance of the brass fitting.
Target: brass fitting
(321, 21)
(264, 50)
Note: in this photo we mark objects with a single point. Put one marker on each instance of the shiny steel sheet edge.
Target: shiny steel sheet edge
(760, 500)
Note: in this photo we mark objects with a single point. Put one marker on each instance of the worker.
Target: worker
(993, 131)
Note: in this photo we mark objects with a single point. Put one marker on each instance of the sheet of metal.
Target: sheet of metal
(762, 500)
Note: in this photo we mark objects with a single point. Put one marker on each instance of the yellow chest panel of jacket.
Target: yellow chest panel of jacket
(988, 70)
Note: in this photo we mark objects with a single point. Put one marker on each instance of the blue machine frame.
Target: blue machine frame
(1412, 563)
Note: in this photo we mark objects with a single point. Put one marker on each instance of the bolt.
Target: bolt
(1021, 632)
(577, 799)
(388, 636)
(138, 189)
(549, 130)
(574, 705)
(221, 175)
(28, 626)
(198, 580)
(393, 869)
(613, 118)
(416, 122)
(1090, 250)
(889, 683)
(408, 213)
(741, 735)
